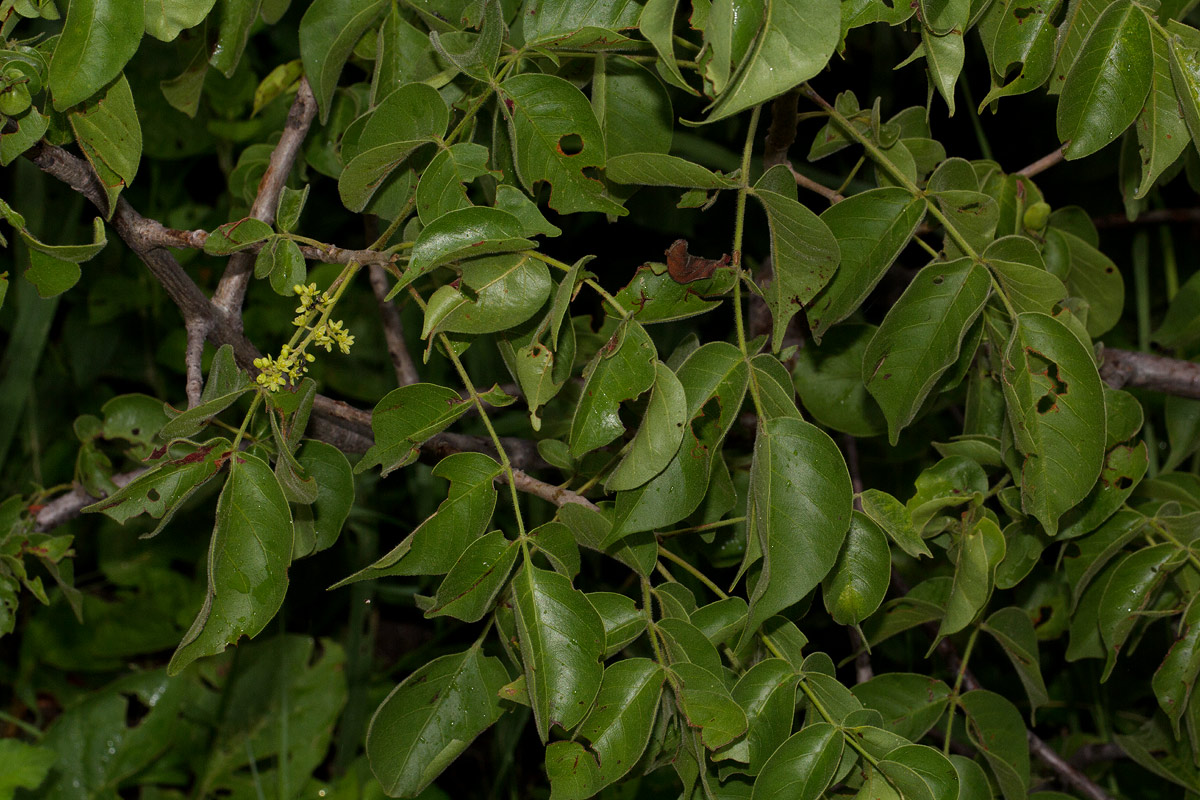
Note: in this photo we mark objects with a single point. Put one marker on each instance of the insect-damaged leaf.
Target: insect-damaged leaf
(1056, 407)
(621, 370)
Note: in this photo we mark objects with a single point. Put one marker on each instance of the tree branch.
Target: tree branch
(1158, 216)
(393, 329)
(232, 288)
(1044, 163)
(808, 183)
(156, 235)
(1128, 369)
(196, 334)
(65, 508)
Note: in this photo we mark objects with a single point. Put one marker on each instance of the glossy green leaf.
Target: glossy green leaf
(974, 215)
(659, 169)
(828, 378)
(767, 693)
(1132, 588)
(470, 588)
(555, 138)
(995, 727)
(920, 338)
(23, 766)
(871, 229)
(895, 519)
(919, 770)
(318, 525)
(496, 293)
(431, 717)
(621, 370)
(1080, 17)
(658, 437)
(248, 558)
(328, 33)
(238, 235)
(944, 57)
(1020, 39)
(1013, 630)
(707, 705)
(1162, 131)
(633, 108)
(772, 386)
(804, 253)
(803, 766)
(1109, 82)
(797, 474)
(282, 262)
(474, 231)
(1124, 467)
(165, 19)
(855, 586)
(657, 24)
(30, 128)
(443, 184)
(1094, 277)
(110, 136)
(562, 642)
(369, 170)
(720, 619)
(980, 551)
(910, 704)
(950, 482)
(405, 418)
(1055, 401)
(623, 621)
(98, 38)
(1175, 678)
(795, 41)
(52, 276)
(234, 19)
(614, 734)
(438, 542)
(654, 296)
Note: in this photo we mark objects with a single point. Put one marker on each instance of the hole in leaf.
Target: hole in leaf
(152, 495)
(938, 280)
(705, 426)
(135, 710)
(1124, 482)
(1046, 404)
(570, 144)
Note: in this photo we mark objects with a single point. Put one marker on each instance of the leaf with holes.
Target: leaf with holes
(1056, 406)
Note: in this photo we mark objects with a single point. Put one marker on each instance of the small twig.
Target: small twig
(232, 288)
(808, 183)
(156, 235)
(197, 332)
(1155, 217)
(66, 508)
(393, 329)
(1044, 163)
(552, 494)
(1066, 773)
(1129, 369)
(782, 132)
(863, 671)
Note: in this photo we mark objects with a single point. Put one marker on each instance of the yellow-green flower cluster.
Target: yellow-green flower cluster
(288, 367)
(311, 302)
(333, 333)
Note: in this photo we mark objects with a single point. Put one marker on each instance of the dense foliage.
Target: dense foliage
(695, 466)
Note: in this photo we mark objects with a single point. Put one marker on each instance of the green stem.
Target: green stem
(739, 222)
(691, 570)
(1170, 537)
(394, 226)
(1141, 288)
(962, 670)
(1169, 262)
(22, 724)
(237, 440)
(708, 526)
(565, 267)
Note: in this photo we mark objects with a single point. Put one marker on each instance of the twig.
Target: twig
(808, 183)
(863, 671)
(157, 235)
(1155, 217)
(232, 288)
(1129, 369)
(197, 332)
(1066, 773)
(782, 132)
(552, 494)
(393, 329)
(65, 508)
(1044, 163)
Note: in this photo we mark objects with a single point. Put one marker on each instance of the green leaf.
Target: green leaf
(233, 236)
(234, 20)
(52, 276)
(442, 187)
(1098, 548)
(431, 717)
(657, 24)
(1081, 16)
(633, 108)
(318, 525)
(1162, 131)
(248, 558)
(328, 33)
(871, 229)
(942, 16)
(623, 621)
(438, 542)
(405, 418)
(547, 19)
(1093, 277)
(919, 771)
(797, 474)
(562, 642)
(767, 693)
(621, 370)
(920, 338)
(659, 169)
(555, 137)
(30, 128)
(283, 262)
(162, 489)
(855, 586)
(516, 202)
(479, 60)
(1181, 325)
(828, 378)
(165, 19)
(804, 251)
(1021, 272)
(803, 766)
(1130, 591)
(471, 586)
(110, 137)
(369, 170)
(654, 296)
(23, 766)
(1022, 45)
(614, 734)
(98, 38)
(995, 727)
(496, 293)
(944, 57)
(980, 551)
(658, 437)
(226, 383)
(773, 388)
(1175, 678)
(707, 705)
(795, 41)
(1124, 468)
(474, 231)
(1055, 404)
(1109, 82)
(1013, 630)
(910, 704)
(895, 519)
